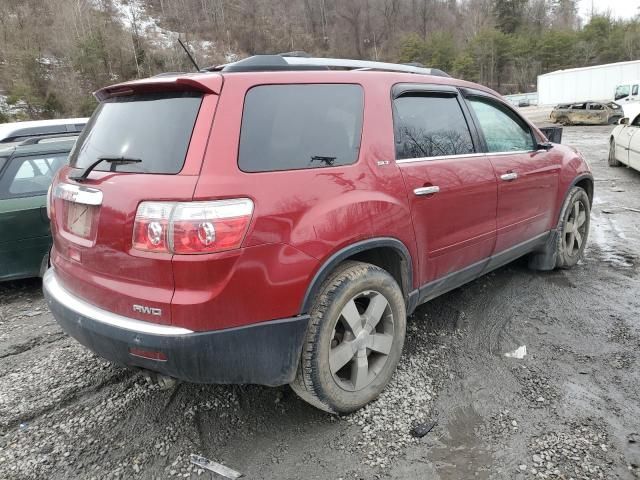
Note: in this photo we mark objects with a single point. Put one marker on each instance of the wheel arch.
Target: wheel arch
(584, 181)
(387, 253)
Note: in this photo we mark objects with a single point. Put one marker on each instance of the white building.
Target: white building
(588, 83)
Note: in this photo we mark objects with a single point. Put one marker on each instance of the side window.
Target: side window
(33, 175)
(596, 106)
(634, 91)
(503, 130)
(622, 91)
(290, 127)
(430, 126)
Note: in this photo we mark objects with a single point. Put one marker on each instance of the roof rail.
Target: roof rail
(61, 137)
(259, 63)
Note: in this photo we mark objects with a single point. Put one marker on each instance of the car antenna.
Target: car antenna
(186, 50)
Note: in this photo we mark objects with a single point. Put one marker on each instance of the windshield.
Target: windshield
(621, 92)
(155, 128)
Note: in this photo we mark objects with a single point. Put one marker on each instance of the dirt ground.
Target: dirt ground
(569, 409)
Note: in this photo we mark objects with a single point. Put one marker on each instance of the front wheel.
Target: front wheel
(573, 228)
(354, 341)
(613, 161)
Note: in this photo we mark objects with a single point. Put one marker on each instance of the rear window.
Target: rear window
(155, 128)
(290, 127)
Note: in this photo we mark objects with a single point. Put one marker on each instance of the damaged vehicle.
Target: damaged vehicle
(587, 113)
(276, 220)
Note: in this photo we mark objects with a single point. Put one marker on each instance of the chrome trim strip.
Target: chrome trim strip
(443, 157)
(58, 293)
(465, 155)
(78, 194)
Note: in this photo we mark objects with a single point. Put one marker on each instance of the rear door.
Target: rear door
(93, 220)
(527, 177)
(632, 132)
(451, 185)
(25, 238)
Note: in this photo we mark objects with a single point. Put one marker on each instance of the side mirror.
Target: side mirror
(545, 146)
(623, 121)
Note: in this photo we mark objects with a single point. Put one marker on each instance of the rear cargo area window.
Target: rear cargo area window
(155, 128)
(290, 127)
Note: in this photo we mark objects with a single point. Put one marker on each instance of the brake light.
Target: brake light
(191, 227)
(49, 204)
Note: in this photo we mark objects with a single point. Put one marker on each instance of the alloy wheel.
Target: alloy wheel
(361, 341)
(574, 231)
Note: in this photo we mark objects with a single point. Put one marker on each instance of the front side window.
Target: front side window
(153, 127)
(596, 106)
(634, 91)
(292, 127)
(622, 92)
(503, 130)
(430, 126)
(33, 175)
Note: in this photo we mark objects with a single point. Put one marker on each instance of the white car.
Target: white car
(624, 145)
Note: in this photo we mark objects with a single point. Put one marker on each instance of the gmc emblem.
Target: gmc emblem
(147, 310)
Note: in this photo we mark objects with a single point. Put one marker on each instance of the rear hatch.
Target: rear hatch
(156, 131)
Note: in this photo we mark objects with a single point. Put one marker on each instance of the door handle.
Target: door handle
(427, 190)
(509, 177)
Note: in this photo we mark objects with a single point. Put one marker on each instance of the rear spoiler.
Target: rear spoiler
(200, 82)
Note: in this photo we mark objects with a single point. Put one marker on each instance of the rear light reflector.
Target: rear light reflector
(148, 354)
(191, 227)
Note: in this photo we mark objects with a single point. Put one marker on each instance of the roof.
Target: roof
(594, 67)
(39, 127)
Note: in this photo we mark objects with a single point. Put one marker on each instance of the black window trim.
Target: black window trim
(468, 94)
(436, 90)
(12, 160)
(362, 124)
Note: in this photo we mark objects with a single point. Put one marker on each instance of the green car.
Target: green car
(26, 171)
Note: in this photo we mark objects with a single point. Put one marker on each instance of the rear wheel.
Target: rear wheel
(574, 228)
(613, 161)
(564, 121)
(355, 339)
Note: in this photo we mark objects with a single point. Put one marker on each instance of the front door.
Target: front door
(527, 177)
(451, 186)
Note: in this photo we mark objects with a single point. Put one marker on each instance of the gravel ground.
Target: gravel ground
(568, 409)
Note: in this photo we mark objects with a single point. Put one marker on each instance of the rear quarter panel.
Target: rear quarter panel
(309, 214)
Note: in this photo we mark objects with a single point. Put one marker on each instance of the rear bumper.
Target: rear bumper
(265, 353)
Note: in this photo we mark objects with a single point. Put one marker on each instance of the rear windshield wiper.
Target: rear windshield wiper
(113, 161)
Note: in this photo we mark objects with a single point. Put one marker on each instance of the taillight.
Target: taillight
(191, 227)
(49, 204)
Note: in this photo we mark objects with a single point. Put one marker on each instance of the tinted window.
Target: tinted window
(430, 126)
(32, 175)
(503, 130)
(155, 128)
(289, 127)
(634, 91)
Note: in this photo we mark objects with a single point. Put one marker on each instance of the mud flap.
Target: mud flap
(545, 259)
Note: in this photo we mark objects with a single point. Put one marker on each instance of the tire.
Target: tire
(564, 121)
(613, 161)
(340, 308)
(572, 237)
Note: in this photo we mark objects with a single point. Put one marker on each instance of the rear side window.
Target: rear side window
(155, 128)
(503, 130)
(430, 126)
(31, 176)
(291, 127)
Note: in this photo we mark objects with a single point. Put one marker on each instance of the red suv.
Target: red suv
(274, 221)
